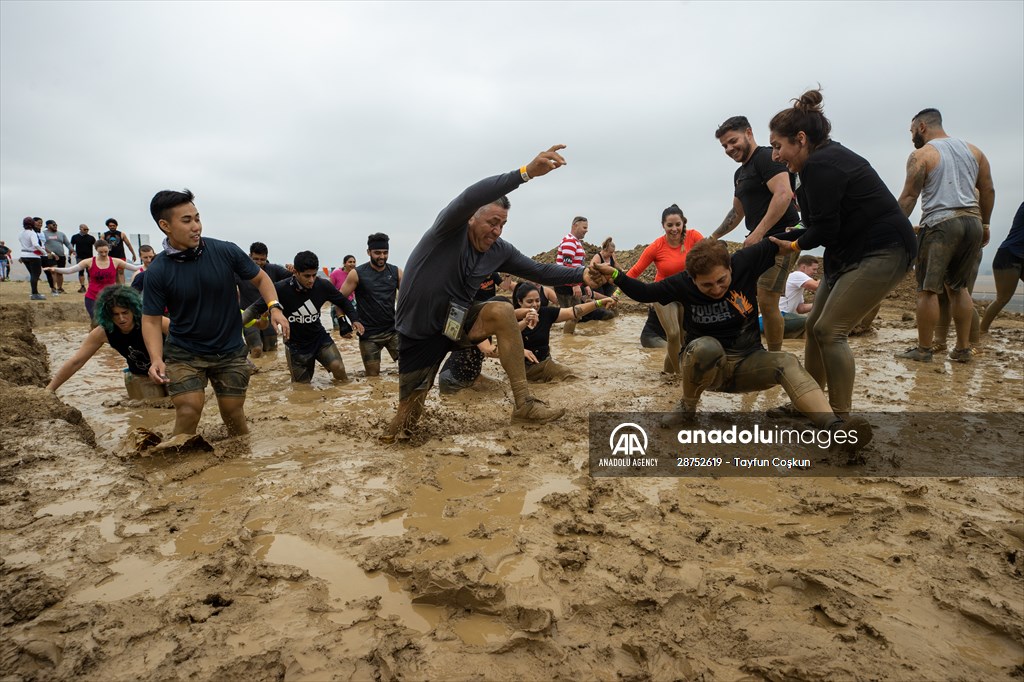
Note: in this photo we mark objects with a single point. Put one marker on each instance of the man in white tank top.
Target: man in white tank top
(954, 181)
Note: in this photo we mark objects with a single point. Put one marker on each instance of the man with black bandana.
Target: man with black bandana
(302, 296)
(375, 284)
(436, 312)
(194, 279)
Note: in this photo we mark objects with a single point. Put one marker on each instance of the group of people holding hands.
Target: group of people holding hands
(802, 192)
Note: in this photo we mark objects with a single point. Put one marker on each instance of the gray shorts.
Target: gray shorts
(301, 365)
(187, 371)
(948, 253)
(371, 346)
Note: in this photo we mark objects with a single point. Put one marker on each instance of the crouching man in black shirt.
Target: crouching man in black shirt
(303, 295)
(194, 278)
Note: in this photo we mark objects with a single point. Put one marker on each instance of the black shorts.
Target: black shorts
(1005, 260)
(420, 359)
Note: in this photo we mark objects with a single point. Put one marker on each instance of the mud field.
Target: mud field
(307, 551)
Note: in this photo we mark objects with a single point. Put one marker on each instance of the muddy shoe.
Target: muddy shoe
(938, 347)
(857, 434)
(916, 354)
(961, 354)
(686, 414)
(535, 411)
(783, 411)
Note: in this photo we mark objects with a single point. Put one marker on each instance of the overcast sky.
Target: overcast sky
(309, 126)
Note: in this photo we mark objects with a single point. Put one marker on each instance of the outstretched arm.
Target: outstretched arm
(668, 290)
(94, 340)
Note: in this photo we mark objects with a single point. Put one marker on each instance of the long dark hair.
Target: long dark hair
(522, 290)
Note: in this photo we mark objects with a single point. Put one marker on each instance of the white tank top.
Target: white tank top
(949, 190)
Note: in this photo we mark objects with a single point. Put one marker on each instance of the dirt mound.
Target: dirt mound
(23, 360)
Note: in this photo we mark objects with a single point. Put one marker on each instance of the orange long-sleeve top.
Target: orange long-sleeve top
(668, 260)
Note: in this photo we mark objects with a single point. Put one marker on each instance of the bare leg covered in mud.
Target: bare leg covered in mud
(495, 319)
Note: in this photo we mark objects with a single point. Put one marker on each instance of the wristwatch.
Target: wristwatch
(277, 305)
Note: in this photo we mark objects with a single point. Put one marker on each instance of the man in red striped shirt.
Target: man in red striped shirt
(572, 254)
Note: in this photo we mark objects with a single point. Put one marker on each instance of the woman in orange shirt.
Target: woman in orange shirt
(668, 253)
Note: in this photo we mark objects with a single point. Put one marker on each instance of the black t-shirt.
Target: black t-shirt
(731, 319)
(751, 180)
(139, 280)
(132, 347)
(302, 309)
(4, 251)
(200, 297)
(848, 210)
(538, 339)
(247, 291)
(82, 244)
(488, 288)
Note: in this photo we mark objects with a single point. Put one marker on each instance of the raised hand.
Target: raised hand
(545, 162)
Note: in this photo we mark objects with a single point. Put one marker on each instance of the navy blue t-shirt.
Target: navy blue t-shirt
(200, 297)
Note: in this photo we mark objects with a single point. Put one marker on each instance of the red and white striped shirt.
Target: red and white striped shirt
(571, 252)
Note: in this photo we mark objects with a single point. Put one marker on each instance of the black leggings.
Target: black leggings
(35, 269)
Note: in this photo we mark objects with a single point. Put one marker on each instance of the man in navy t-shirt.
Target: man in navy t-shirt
(194, 279)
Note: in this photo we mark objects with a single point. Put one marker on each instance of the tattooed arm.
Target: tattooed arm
(732, 219)
(916, 173)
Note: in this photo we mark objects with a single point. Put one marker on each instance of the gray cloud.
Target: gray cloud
(313, 125)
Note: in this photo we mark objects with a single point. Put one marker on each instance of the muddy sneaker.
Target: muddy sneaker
(686, 414)
(938, 347)
(858, 434)
(787, 410)
(37, 297)
(535, 411)
(916, 354)
(81, 290)
(961, 354)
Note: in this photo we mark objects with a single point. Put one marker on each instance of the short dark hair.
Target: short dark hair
(51, 222)
(147, 248)
(705, 255)
(377, 238)
(111, 220)
(259, 248)
(930, 116)
(579, 219)
(166, 201)
(807, 259)
(739, 123)
(306, 260)
(503, 202)
(805, 115)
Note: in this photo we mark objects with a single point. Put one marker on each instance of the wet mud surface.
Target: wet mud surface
(308, 551)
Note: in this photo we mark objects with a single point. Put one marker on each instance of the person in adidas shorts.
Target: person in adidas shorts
(302, 296)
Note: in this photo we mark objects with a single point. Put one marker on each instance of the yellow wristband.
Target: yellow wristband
(794, 245)
(599, 303)
(523, 174)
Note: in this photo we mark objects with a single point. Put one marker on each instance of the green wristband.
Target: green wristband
(615, 274)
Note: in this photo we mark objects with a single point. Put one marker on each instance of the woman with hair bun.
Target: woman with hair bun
(869, 243)
(668, 253)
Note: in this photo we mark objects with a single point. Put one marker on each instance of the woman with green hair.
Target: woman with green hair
(117, 313)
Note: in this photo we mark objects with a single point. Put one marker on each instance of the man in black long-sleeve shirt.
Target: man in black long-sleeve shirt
(301, 297)
(436, 312)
